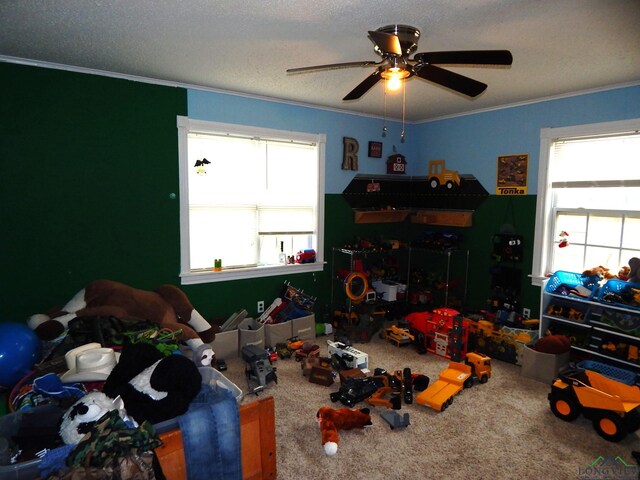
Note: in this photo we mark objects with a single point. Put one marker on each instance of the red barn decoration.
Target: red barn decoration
(396, 163)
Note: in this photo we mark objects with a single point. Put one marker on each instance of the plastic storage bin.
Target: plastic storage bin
(562, 282)
(620, 293)
(10, 424)
(618, 374)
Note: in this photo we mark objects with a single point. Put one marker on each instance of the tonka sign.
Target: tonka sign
(512, 174)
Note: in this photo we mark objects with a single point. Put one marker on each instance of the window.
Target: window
(250, 197)
(588, 210)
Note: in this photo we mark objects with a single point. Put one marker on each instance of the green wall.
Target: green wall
(89, 185)
(87, 168)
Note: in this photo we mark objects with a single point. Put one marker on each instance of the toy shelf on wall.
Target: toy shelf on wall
(599, 330)
(380, 216)
(446, 218)
(391, 198)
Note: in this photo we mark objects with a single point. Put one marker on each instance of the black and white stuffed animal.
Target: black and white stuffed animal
(78, 420)
(152, 386)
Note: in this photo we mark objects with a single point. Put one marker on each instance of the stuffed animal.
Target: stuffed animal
(332, 420)
(601, 272)
(82, 415)
(623, 273)
(553, 344)
(634, 270)
(167, 306)
(153, 386)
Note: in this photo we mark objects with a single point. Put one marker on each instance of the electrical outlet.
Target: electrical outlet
(526, 312)
(261, 306)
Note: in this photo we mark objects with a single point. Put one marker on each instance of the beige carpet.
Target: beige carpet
(500, 430)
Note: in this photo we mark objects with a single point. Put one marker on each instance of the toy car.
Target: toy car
(283, 351)
(294, 343)
(273, 354)
(308, 349)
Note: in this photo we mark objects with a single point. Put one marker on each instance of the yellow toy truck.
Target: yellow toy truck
(612, 406)
(452, 380)
(438, 175)
(439, 395)
(480, 366)
(397, 335)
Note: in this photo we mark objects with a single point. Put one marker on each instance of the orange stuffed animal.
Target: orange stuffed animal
(333, 420)
(601, 272)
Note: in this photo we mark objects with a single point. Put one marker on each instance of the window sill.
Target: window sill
(191, 278)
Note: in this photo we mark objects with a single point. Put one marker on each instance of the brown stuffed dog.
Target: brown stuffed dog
(167, 306)
(332, 420)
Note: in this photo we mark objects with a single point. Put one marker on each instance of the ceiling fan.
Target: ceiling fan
(395, 43)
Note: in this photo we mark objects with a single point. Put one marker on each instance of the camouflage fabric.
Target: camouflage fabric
(110, 440)
(125, 468)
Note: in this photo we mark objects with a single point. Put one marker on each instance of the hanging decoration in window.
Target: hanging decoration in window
(200, 166)
(564, 241)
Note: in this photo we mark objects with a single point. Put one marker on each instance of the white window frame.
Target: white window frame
(187, 276)
(544, 228)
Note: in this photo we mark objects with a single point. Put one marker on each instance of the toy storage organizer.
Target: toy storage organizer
(396, 284)
(600, 329)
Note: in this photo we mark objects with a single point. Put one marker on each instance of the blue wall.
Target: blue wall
(472, 143)
(469, 143)
(218, 107)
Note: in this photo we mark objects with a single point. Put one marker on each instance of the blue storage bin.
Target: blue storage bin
(562, 282)
(618, 374)
(618, 292)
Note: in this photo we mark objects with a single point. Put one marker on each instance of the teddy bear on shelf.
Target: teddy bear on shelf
(601, 272)
(634, 270)
(167, 306)
(333, 420)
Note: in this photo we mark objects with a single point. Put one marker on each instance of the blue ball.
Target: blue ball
(19, 352)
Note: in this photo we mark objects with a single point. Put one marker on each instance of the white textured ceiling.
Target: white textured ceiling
(559, 46)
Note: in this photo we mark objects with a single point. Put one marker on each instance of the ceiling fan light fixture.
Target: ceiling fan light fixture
(394, 77)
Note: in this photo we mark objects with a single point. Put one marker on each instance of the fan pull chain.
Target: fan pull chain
(403, 110)
(384, 118)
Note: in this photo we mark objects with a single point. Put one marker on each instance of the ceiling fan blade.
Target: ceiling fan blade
(466, 57)
(386, 42)
(454, 81)
(364, 86)
(332, 66)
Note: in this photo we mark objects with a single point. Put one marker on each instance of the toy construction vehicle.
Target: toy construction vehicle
(354, 390)
(480, 366)
(385, 397)
(282, 350)
(398, 336)
(294, 343)
(345, 356)
(438, 175)
(612, 406)
(439, 395)
(259, 371)
(307, 350)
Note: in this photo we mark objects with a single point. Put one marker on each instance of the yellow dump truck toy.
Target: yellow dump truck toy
(612, 406)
